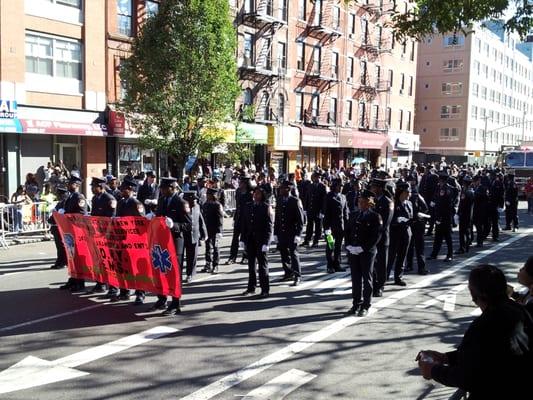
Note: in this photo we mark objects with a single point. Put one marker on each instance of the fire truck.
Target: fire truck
(520, 161)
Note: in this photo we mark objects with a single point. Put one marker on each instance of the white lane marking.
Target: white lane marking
(281, 386)
(36, 321)
(32, 371)
(448, 299)
(228, 381)
(476, 312)
(334, 282)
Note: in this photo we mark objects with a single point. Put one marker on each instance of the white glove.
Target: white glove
(264, 249)
(422, 215)
(355, 250)
(241, 245)
(500, 209)
(456, 219)
(274, 239)
(437, 222)
(148, 202)
(61, 211)
(358, 249)
(169, 222)
(320, 215)
(402, 219)
(149, 216)
(305, 213)
(219, 236)
(432, 204)
(297, 239)
(507, 203)
(327, 231)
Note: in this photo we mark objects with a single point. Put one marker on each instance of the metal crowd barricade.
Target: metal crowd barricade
(230, 201)
(24, 220)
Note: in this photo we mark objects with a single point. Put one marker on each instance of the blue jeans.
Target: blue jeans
(17, 220)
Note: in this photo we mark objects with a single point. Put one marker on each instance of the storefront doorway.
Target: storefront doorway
(69, 154)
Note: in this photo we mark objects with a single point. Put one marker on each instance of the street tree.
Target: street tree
(181, 78)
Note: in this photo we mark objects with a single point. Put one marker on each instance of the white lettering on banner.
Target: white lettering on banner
(8, 109)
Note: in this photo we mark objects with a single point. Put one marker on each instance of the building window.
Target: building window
(316, 60)
(474, 112)
(52, 56)
(349, 69)
(375, 116)
(400, 120)
(452, 88)
(299, 107)
(317, 19)
(475, 89)
(363, 72)
(282, 55)
(351, 24)
(483, 92)
(362, 115)
(473, 133)
(402, 83)
(247, 97)
(265, 106)
(412, 55)
(391, 78)
(332, 115)
(364, 31)
(377, 75)
(454, 40)
(124, 16)
(315, 101)
(348, 112)
(301, 9)
(388, 117)
(408, 122)
(281, 108)
(336, 17)
(300, 50)
(267, 51)
(450, 111)
(452, 65)
(335, 64)
(449, 134)
(411, 80)
(248, 50)
(152, 7)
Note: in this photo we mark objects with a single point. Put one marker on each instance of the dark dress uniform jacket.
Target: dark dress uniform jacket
(315, 199)
(466, 205)
(335, 211)
(481, 198)
(103, 205)
(176, 209)
(511, 193)
(444, 209)
(198, 230)
(147, 192)
(213, 217)
(419, 205)
(130, 207)
(385, 208)
(496, 194)
(289, 220)
(75, 203)
(256, 223)
(364, 229)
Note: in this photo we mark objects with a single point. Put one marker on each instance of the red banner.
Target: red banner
(127, 252)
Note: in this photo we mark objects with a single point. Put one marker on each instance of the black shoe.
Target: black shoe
(114, 299)
(67, 285)
(362, 312)
(507, 228)
(479, 245)
(305, 243)
(57, 266)
(448, 259)
(110, 294)
(244, 260)
(423, 271)
(331, 271)
(460, 251)
(286, 278)
(206, 269)
(248, 292)
(139, 299)
(124, 296)
(297, 281)
(159, 305)
(174, 310)
(514, 229)
(230, 261)
(353, 310)
(263, 295)
(315, 245)
(339, 269)
(495, 239)
(98, 288)
(400, 282)
(432, 257)
(187, 279)
(408, 269)
(214, 271)
(78, 287)
(378, 293)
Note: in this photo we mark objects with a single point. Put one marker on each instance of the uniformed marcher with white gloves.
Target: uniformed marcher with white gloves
(288, 227)
(214, 220)
(335, 211)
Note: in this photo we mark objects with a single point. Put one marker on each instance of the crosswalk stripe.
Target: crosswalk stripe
(279, 387)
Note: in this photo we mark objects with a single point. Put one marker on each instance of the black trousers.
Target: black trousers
(511, 215)
(234, 249)
(416, 246)
(480, 223)
(380, 265)
(179, 243)
(314, 224)
(191, 258)
(290, 259)
(211, 251)
(464, 233)
(431, 221)
(255, 253)
(333, 256)
(442, 232)
(61, 258)
(399, 245)
(493, 223)
(361, 268)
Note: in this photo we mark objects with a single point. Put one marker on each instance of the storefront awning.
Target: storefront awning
(404, 141)
(316, 137)
(362, 140)
(252, 133)
(284, 137)
(10, 125)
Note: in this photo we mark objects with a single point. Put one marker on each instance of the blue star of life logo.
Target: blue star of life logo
(69, 244)
(161, 259)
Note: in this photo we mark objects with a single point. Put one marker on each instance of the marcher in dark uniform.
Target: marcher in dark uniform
(400, 232)
(75, 203)
(288, 227)
(479, 214)
(428, 188)
(385, 208)
(61, 259)
(352, 194)
(214, 221)
(103, 204)
(256, 228)
(495, 206)
(193, 237)
(129, 206)
(149, 192)
(444, 212)
(511, 204)
(313, 207)
(466, 208)
(178, 219)
(335, 211)
(112, 188)
(243, 195)
(417, 245)
(363, 232)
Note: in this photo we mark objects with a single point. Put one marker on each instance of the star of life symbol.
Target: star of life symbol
(69, 244)
(161, 259)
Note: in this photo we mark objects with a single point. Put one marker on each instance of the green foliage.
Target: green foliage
(240, 151)
(248, 113)
(182, 77)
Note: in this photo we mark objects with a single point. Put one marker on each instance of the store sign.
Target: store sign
(284, 137)
(117, 123)
(313, 137)
(63, 128)
(8, 109)
(404, 141)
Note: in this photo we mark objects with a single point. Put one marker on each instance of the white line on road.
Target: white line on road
(448, 299)
(226, 382)
(281, 386)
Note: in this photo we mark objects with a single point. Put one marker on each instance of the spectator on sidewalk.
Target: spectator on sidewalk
(19, 199)
(493, 360)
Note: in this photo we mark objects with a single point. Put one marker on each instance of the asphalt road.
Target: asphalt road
(297, 344)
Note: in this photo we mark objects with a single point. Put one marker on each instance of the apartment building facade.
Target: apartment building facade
(324, 82)
(474, 95)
